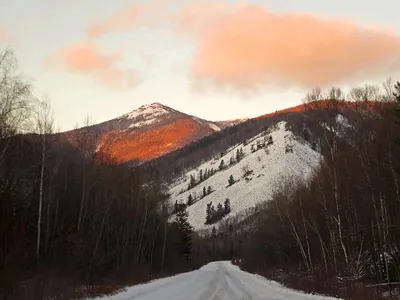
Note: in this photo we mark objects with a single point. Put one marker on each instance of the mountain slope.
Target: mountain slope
(147, 132)
(217, 280)
(266, 169)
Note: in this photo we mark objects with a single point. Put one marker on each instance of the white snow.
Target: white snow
(269, 171)
(214, 127)
(217, 280)
(145, 115)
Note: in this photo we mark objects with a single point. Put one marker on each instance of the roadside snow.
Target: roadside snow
(270, 168)
(217, 280)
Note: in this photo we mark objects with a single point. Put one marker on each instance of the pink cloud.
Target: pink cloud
(120, 21)
(148, 13)
(246, 45)
(87, 59)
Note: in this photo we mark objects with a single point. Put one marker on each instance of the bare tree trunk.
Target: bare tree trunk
(41, 194)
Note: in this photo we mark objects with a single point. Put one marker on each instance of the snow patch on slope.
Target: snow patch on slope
(270, 168)
(145, 115)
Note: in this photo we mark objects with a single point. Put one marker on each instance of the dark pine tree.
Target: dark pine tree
(227, 206)
(204, 192)
(220, 211)
(176, 207)
(192, 182)
(190, 200)
(201, 176)
(231, 161)
(208, 213)
(185, 234)
(270, 140)
(231, 180)
(222, 165)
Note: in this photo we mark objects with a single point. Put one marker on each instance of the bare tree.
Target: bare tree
(44, 127)
(314, 95)
(365, 93)
(335, 93)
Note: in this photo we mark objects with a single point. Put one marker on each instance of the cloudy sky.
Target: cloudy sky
(214, 59)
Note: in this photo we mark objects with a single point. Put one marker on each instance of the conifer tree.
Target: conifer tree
(209, 190)
(190, 200)
(192, 181)
(208, 213)
(176, 206)
(227, 206)
(222, 164)
(201, 176)
(204, 191)
(270, 140)
(185, 231)
(220, 211)
(231, 180)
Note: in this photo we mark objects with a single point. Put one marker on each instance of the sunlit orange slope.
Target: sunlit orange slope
(145, 133)
(152, 143)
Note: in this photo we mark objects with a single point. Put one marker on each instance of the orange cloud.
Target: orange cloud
(86, 58)
(129, 18)
(120, 21)
(247, 45)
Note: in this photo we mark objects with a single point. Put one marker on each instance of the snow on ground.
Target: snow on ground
(145, 115)
(217, 280)
(269, 171)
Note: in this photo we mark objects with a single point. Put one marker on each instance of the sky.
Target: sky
(217, 60)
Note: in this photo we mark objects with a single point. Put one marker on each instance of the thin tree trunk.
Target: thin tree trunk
(41, 196)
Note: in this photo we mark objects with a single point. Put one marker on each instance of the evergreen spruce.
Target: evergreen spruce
(204, 191)
(222, 165)
(185, 231)
(209, 190)
(192, 181)
(201, 176)
(231, 180)
(227, 206)
(270, 140)
(176, 206)
(190, 200)
(208, 213)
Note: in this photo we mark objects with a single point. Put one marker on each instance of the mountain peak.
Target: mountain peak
(152, 110)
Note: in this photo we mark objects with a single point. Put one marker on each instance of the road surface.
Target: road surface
(215, 281)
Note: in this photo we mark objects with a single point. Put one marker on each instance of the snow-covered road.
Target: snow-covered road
(215, 281)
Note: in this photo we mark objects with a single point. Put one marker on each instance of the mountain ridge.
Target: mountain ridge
(146, 132)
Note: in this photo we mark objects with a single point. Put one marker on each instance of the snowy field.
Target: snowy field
(215, 281)
(270, 167)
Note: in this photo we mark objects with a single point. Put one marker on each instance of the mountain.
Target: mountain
(147, 132)
(282, 148)
(258, 167)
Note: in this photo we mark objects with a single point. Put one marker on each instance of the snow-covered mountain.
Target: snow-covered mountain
(148, 132)
(259, 166)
